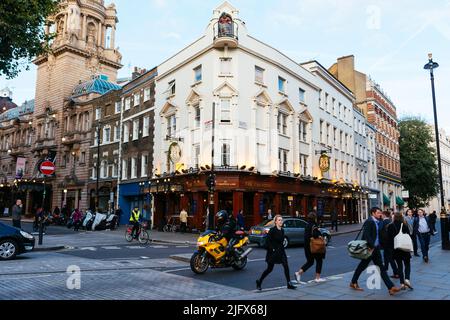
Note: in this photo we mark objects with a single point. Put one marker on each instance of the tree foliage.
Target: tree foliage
(22, 34)
(418, 161)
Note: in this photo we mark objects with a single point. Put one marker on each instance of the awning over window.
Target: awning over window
(399, 201)
(386, 200)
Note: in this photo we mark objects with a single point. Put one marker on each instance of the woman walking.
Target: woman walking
(401, 257)
(311, 231)
(276, 253)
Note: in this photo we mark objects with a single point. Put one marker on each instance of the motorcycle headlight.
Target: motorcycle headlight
(26, 235)
(200, 243)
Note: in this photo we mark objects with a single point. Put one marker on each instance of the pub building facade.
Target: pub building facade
(266, 129)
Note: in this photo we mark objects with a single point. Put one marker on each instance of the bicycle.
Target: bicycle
(143, 236)
(171, 226)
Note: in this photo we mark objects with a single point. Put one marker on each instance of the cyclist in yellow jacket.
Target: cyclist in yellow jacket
(134, 220)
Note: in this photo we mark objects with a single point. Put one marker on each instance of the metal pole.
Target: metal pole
(98, 165)
(211, 190)
(444, 219)
(41, 225)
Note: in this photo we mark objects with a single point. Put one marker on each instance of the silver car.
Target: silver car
(294, 231)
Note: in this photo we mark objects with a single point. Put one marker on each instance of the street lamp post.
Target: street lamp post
(431, 65)
(98, 167)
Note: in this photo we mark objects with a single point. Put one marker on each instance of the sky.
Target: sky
(390, 40)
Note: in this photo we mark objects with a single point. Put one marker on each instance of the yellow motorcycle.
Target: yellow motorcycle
(212, 253)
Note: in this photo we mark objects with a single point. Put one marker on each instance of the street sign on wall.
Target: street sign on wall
(47, 168)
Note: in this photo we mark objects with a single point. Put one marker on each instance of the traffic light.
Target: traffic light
(211, 182)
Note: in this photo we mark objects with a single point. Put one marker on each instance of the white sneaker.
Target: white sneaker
(298, 277)
(320, 280)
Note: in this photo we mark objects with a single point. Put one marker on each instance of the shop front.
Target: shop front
(254, 194)
(134, 195)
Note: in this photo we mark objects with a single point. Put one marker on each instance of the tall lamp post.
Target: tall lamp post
(431, 65)
(97, 128)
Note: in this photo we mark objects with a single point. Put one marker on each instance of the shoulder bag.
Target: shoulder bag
(358, 249)
(403, 241)
(317, 245)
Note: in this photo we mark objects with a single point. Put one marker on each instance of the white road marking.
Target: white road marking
(143, 257)
(31, 277)
(159, 247)
(88, 248)
(135, 247)
(176, 270)
(111, 248)
(182, 247)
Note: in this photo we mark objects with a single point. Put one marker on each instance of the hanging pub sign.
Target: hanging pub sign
(174, 153)
(324, 162)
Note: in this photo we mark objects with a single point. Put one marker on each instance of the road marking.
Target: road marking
(159, 247)
(331, 247)
(182, 247)
(256, 260)
(143, 257)
(176, 270)
(111, 248)
(31, 277)
(88, 248)
(135, 247)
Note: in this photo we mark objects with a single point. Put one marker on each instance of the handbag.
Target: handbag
(317, 245)
(403, 241)
(358, 249)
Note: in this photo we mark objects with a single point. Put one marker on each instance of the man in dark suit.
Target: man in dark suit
(371, 234)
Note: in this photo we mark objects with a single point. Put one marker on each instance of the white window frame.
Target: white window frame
(135, 129)
(301, 95)
(144, 165)
(171, 122)
(198, 76)
(223, 111)
(303, 131)
(116, 133)
(259, 74)
(118, 107)
(98, 113)
(106, 137)
(197, 116)
(282, 85)
(146, 94)
(133, 168)
(124, 169)
(146, 127)
(225, 154)
(282, 123)
(196, 155)
(126, 132)
(283, 160)
(137, 99)
(127, 103)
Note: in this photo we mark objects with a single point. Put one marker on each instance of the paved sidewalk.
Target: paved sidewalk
(430, 281)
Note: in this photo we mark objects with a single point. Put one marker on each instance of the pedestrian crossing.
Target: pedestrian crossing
(130, 247)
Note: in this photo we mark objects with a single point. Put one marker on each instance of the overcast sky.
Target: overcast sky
(390, 40)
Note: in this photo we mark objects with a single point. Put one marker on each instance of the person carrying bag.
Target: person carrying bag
(359, 249)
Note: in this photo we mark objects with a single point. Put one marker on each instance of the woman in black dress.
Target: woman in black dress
(311, 231)
(276, 253)
(402, 258)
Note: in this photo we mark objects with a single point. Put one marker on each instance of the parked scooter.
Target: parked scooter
(99, 222)
(88, 220)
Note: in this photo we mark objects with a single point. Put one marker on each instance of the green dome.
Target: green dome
(97, 85)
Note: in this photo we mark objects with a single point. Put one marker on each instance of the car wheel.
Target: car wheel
(285, 242)
(8, 249)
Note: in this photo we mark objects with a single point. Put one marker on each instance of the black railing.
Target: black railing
(226, 30)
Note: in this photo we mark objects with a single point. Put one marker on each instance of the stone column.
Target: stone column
(65, 25)
(84, 30)
(113, 37)
(99, 34)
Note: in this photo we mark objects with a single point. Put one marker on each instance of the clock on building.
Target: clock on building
(175, 152)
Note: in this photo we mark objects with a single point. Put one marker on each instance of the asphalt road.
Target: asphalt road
(337, 261)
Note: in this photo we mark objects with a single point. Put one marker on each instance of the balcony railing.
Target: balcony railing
(226, 34)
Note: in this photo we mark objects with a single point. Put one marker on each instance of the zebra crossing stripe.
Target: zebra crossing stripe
(111, 248)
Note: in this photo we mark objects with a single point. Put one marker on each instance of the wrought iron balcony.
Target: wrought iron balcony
(226, 34)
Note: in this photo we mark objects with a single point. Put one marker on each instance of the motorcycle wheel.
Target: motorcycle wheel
(199, 263)
(239, 264)
(143, 237)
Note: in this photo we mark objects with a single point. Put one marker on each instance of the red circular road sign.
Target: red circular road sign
(47, 168)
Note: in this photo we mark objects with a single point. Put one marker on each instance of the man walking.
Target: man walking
(17, 214)
(334, 220)
(183, 220)
(371, 234)
(119, 214)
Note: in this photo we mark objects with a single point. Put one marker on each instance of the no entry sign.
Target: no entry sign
(47, 168)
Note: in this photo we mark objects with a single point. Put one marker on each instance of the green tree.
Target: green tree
(418, 161)
(22, 36)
